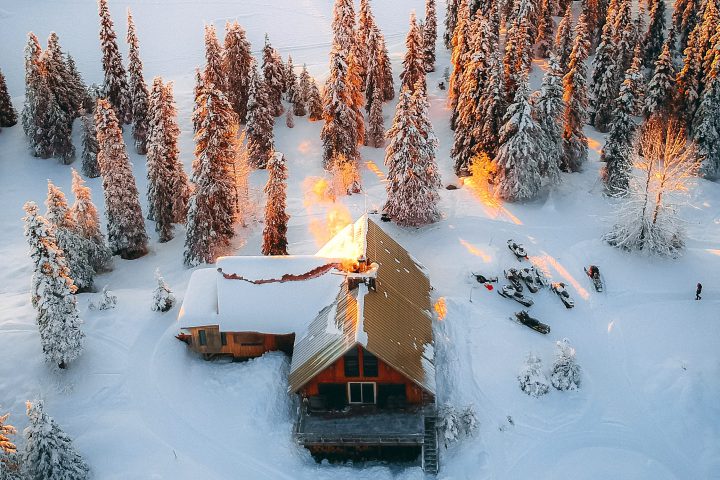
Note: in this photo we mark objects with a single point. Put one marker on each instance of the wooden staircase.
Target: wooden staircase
(430, 454)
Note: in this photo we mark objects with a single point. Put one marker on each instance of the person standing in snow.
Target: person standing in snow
(698, 291)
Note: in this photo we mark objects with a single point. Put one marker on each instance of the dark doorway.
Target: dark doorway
(391, 395)
(285, 343)
(335, 395)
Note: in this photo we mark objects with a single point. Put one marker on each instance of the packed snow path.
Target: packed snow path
(138, 405)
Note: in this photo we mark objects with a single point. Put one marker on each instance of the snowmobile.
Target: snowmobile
(594, 273)
(561, 291)
(517, 249)
(523, 317)
(508, 291)
(533, 278)
(513, 276)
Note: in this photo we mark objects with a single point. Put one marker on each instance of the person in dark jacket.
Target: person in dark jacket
(698, 291)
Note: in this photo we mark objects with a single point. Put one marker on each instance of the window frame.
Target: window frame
(223, 339)
(374, 374)
(202, 337)
(357, 365)
(362, 399)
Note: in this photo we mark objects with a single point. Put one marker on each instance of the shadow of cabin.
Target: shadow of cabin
(356, 321)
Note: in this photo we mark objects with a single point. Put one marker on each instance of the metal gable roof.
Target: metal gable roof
(393, 322)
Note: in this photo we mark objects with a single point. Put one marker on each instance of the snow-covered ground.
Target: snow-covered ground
(140, 406)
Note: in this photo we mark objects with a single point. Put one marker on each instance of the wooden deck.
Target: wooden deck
(361, 426)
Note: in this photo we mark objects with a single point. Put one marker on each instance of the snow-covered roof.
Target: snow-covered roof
(261, 294)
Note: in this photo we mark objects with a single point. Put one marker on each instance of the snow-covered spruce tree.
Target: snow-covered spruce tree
(658, 96)
(564, 38)
(357, 99)
(546, 30)
(686, 14)
(314, 102)
(374, 74)
(520, 151)
(655, 35)
(138, 90)
(455, 423)
(60, 80)
(105, 301)
(49, 453)
(77, 86)
(237, 63)
(566, 373)
(76, 248)
(338, 135)
(548, 108)
(385, 66)
(706, 127)
(163, 298)
(451, 17)
(39, 101)
(492, 106)
(575, 145)
(87, 225)
(413, 178)
(429, 35)
(115, 84)
(375, 136)
(168, 188)
(300, 98)
(603, 91)
(468, 124)
(648, 220)
(413, 64)
(126, 228)
(619, 144)
(259, 123)
(273, 77)
(59, 134)
(88, 138)
(214, 74)
(276, 218)
(637, 80)
(52, 292)
(289, 79)
(289, 119)
(459, 57)
(211, 208)
(625, 35)
(532, 378)
(8, 115)
(518, 47)
(10, 460)
(363, 47)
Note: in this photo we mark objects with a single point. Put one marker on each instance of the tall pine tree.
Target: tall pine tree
(548, 109)
(52, 292)
(49, 452)
(706, 127)
(88, 138)
(276, 218)
(274, 77)
(126, 228)
(211, 207)
(429, 35)
(259, 123)
(138, 90)
(214, 74)
(575, 145)
(658, 96)
(87, 224)
(619, 144)
(8, 115)
(115, 85)
(413, 65)
(604, 85)
(237, 63)
(655, 35)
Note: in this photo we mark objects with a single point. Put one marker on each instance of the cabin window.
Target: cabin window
(223, 338)
(370, 364)
(361, 392)
(352, 363)
(203, 337)
(249, 339)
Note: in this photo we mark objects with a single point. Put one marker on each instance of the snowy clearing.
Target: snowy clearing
(139, 405)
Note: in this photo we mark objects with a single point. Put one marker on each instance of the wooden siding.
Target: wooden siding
(335, 373)
(240, 345)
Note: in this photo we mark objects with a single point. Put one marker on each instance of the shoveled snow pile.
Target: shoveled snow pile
(137, 404)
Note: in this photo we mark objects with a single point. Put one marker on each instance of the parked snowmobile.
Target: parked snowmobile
(508, 291)
(517, 249)
(561, 291)
(523, 317)
(594, 273)
(533, 278)
(514, 278)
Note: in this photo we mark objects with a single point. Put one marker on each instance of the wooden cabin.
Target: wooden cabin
(356, 319)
